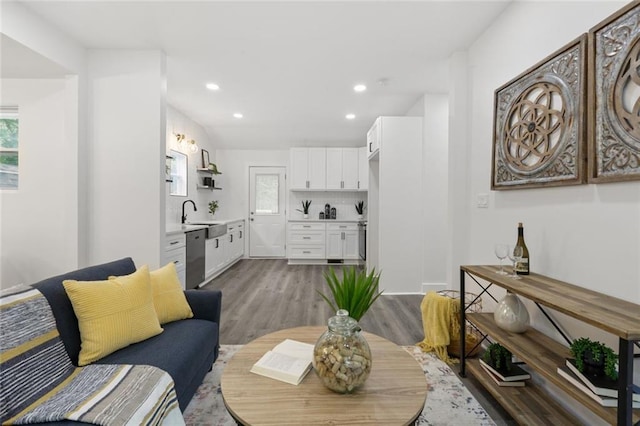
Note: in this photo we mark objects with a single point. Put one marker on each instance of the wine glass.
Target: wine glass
(515, 255)
(501, 251)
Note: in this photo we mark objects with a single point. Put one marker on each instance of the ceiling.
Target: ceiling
(288, 67)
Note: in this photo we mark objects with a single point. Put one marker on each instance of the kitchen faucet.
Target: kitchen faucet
(195, 209)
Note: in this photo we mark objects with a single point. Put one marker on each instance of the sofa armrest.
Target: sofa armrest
(205, 304)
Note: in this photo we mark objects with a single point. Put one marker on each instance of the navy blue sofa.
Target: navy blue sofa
(186, 349)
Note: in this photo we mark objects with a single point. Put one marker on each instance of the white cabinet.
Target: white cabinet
(223, 251)
(215, 257)
(306, 240)
(363, 169)
(308, 168)
(342, 241)
(176, 251)
(342, 168)
(374, 137)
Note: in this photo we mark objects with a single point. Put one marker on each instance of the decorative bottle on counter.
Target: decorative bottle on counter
(522, 266)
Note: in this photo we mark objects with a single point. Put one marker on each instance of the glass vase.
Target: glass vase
(341, 357)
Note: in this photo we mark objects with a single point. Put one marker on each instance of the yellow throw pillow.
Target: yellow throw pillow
(112, 314)
(168, 296)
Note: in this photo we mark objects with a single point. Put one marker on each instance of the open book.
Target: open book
(289, 361)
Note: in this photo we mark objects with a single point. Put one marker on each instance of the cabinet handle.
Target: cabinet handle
(370, 150)
(343, 226)
(306, 252)
(342, 236)
(217, 243)
(307, 184)
(173, 242)
(231, 238)
(306, 226)
(240, 234)
(358, 184)
(306, 238)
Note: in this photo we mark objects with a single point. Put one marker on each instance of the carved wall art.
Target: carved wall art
(614, 97)
(539, 123)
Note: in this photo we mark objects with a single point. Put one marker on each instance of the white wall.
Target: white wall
(434, 189)
(177, 122)
(588, 235)
(126, 155)
(38, 221)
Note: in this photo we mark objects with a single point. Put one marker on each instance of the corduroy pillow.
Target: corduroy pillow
(168, 297)
(113, 314)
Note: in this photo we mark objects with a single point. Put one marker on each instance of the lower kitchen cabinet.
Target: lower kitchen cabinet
(306, 240)
(225, 250)
(176, 251)
(342, 241)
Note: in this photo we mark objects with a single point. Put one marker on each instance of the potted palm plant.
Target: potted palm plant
(305, 208)
(360, 209)
(355, 293)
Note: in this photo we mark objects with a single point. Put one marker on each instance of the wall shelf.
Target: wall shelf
(207, 187)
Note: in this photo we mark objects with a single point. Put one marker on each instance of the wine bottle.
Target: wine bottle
(522, 266)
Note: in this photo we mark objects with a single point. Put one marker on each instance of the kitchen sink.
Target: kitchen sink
(214, 229)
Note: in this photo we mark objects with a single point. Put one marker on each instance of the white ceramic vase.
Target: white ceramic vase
(511, 314)
(306, 216)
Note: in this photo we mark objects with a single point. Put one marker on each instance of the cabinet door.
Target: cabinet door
(363, 169)
(220, 255)
(334, 244)
(334, 168)
(350, 168)
(209, 259)
(317, 168)
(373, 138)
(350, 245)
(299, 175)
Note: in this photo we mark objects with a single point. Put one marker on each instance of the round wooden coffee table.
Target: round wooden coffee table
(394, 393)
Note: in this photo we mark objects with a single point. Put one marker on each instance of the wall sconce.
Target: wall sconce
(193, 147)
(179, 139)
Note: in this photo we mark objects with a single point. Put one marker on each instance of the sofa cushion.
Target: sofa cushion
(168, 296)
(66, 320)
(186, 350)
(113, 313)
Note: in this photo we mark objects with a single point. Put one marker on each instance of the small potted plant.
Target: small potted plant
(360, 209)
(498, 357)
(355, 293)
(594, 358)
(305, 208)
(213, 206)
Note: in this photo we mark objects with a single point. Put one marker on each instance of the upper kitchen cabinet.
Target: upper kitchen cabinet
(374, 135)
(363, 169)
(342, 168)
(308, 168)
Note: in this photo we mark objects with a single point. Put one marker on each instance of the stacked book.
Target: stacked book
(601, 389)
(515, 376)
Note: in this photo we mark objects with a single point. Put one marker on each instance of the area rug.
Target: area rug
(448, 401)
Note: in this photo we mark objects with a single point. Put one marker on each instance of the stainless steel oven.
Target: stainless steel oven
(362, 240)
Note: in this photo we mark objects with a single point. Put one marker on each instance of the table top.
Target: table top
(394, 393)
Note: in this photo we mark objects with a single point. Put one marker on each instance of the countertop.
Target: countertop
(176, 228)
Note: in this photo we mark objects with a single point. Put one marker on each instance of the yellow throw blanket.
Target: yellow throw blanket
(440, 324)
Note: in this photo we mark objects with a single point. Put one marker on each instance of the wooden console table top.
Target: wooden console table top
(616, 316)
(394, 393)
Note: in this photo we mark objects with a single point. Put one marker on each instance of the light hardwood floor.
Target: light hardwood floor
(260, 296)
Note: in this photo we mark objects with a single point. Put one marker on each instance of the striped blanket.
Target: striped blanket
(38, 382)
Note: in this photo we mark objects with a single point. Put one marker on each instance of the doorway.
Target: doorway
(267, 213)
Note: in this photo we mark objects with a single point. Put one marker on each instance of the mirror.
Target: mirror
(178, 173)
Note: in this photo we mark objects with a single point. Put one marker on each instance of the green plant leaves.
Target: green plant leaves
(356, 292)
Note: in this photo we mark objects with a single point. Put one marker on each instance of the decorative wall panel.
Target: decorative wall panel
(539, 123)
(614, 97)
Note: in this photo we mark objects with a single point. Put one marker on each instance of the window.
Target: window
(9, 148)
(267, 186)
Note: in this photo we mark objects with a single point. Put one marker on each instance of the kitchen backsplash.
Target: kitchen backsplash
(344, 202)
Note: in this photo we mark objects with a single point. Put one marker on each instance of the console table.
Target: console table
(531, 404)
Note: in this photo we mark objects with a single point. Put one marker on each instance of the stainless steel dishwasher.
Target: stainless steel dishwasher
(195, 257)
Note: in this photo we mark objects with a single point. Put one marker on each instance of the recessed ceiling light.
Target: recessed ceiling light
(359, 87)
(237, 115)
(350, 116)
(212, 86)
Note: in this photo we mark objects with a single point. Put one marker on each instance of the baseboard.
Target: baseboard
(427, 287)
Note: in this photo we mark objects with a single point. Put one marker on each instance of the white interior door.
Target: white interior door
(267, 221)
